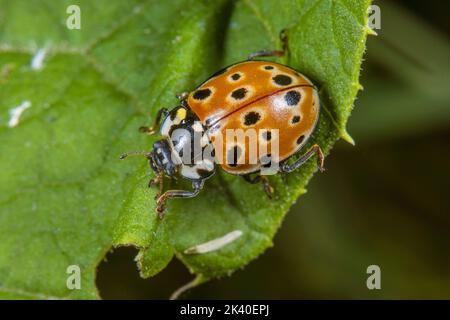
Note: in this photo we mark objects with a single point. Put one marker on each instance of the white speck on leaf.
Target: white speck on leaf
(16, 113)
(215, 244)
(176, 39)
(137, 9)
(38, 59)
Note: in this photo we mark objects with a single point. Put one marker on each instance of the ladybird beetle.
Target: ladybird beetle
(278, 103)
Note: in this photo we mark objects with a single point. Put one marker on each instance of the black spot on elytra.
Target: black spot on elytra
(296, 119)
(251, 118)
(202, 94)
(282, 80)
(268, 67)
(292, 98)
(233, 155)
(267, 135)
(300, 139)
(239, 94)
(236, 76)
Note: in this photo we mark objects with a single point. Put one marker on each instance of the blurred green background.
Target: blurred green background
(384, 202)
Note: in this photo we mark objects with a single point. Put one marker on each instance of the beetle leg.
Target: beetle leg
(151, 130)
(160, 203)
(183, 98)
(158, 179)
(182, 95)
(273, 53)
(315, 149)
(261, 179)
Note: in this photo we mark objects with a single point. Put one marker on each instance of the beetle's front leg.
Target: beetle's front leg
(161, 202)
(155, 127)
(158, 179)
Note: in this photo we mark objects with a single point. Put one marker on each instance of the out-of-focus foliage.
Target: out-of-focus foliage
(407, 79)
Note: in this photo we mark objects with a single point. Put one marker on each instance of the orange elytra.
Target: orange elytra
(260, 95)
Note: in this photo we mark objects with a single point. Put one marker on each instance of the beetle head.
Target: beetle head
(160, 158)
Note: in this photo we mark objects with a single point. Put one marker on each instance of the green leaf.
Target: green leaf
(66, 199)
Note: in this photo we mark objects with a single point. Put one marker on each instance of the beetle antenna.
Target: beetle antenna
(134, 153)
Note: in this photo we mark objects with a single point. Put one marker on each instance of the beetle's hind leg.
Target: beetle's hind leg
(314, 150)
(272, 53)
(155, 127)
(161, 202)
(263, 180)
